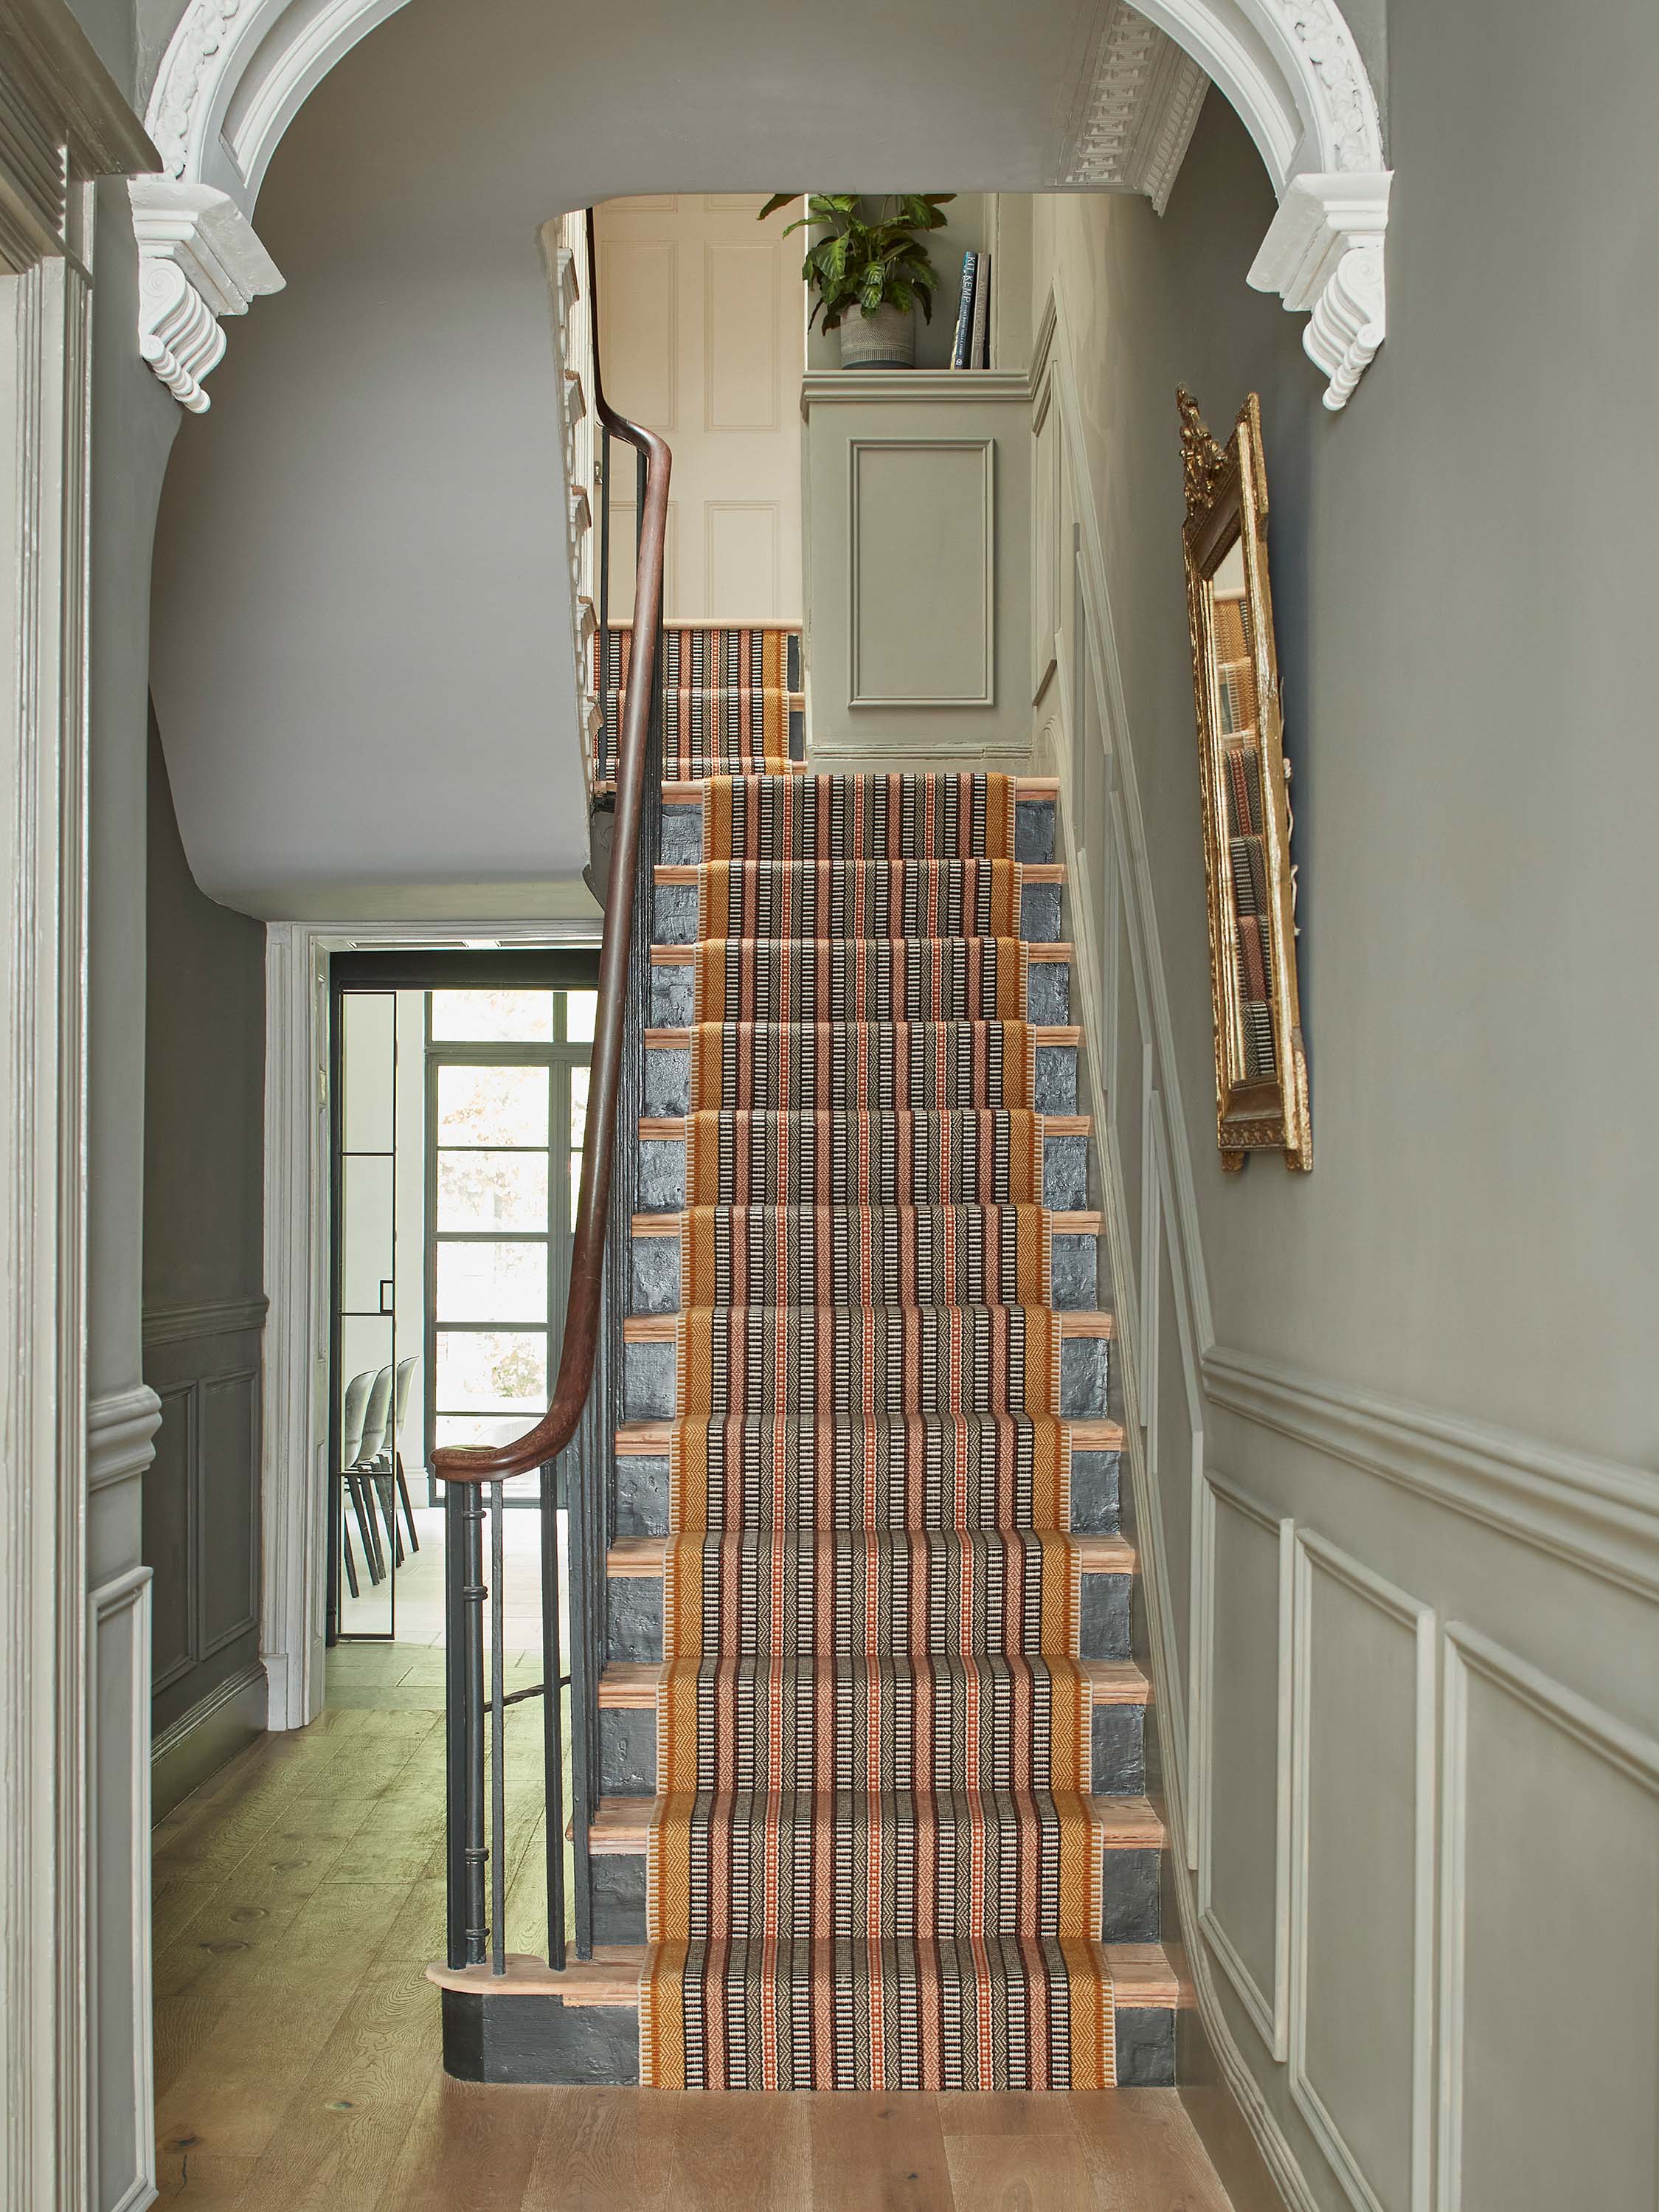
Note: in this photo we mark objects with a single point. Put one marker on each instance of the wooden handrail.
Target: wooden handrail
(477, 1463)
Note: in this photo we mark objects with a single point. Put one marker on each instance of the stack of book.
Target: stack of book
(972, 347)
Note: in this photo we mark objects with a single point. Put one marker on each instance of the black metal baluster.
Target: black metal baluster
(497, 1732)
(552, 1716)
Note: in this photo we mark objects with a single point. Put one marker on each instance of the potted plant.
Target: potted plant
(880, 266)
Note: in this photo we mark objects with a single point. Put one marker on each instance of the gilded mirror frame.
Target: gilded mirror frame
(1261, 1067)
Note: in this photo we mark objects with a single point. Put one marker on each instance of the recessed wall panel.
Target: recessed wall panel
(740, 336)
(1550, 1951)
(1361, 1892)
(638, 278)
(922, 537)
(741, 555)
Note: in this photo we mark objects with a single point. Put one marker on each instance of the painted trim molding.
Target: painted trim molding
(1596, 1514)
(121, 1435)
(293, 1460)
(123, 1606)
(213, 1317)
(64, 123)
(236, 72)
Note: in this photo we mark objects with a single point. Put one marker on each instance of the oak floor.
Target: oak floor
(299, 1896)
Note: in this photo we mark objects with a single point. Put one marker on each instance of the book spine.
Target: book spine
(964, 332)
(980, 351)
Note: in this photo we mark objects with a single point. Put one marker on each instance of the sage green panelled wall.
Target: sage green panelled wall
(1389, 1423)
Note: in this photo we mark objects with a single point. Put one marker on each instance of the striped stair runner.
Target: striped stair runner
(872, 1862)
(731, 699)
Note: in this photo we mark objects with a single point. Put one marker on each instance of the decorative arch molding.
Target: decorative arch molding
(236, 72)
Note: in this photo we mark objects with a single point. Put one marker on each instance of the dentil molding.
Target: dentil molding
(199, 258)
(1130, 132)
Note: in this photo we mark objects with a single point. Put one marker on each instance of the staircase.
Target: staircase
(864, 1748)
(871, 1808)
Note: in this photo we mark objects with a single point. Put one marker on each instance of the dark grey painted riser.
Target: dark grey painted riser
(662, 1174)
(649, 1380)
(673, 994)
(634, 1617)
(674, 914)
(1129, 1897)
(643, 1493)
(668, 1081)
(1074, 1274)
(1034, 832)
(628, 1751)
(538, 2041)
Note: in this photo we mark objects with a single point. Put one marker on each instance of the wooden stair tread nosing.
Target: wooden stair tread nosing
(688, 871)
(684, 956)
(1056, 1033)
(688, 792)
(640, 1558)
(631, 1684)
(670, 1128)
(1063, 1224)
(1142, 1977)
(664, 1328)
(650, 1439)
(620, 1826)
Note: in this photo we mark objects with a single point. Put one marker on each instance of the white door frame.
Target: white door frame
(293, 1516)
(59, 96)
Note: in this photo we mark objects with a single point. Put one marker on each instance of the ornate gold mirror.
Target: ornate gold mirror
(1260, 1071)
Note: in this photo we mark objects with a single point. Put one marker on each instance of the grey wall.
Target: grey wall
(203, 1222)
(363, 686)
(1392, 1423)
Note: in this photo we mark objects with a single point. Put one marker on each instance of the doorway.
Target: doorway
(460, 1098)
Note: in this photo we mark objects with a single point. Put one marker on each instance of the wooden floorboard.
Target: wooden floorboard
(300, 1894)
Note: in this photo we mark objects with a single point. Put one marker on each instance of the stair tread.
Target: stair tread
(1142, 1976)
(640, 1558)
(688, 871)
(620, 1825)
(1063, 1222)
(631, 1684)
(679, 1040)
(670, 1128)
(664, 1328)
(684, 956)
(644, 1439)
(684, 793)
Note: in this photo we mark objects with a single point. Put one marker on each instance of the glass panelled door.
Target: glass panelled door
(369, 1544)
(507, 1089)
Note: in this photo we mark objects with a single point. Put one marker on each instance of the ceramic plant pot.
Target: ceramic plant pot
(886, 340)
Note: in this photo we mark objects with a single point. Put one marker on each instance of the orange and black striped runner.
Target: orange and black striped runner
(874, 1862)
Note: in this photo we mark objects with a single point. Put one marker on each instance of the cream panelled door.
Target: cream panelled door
(702, 323)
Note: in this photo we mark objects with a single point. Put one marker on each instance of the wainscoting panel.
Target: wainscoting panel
(170, 1537)
(923, 508)
(1549, 1957)
(1362, 1882)
(639, 294)
(1241, 1762)
(742, 555)
(117, 1820)
(740, 338)
(201, 1534)
(228, 1421)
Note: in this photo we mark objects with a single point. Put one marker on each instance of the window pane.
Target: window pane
(492, 1190)
(580, 1009)
(481, 1428)
(578, 1105)
(492, 1105)
(492, 1282)
(576, 1181)
(492, 1017)
(493, 1368)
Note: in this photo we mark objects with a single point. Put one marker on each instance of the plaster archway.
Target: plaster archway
(236, 72)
